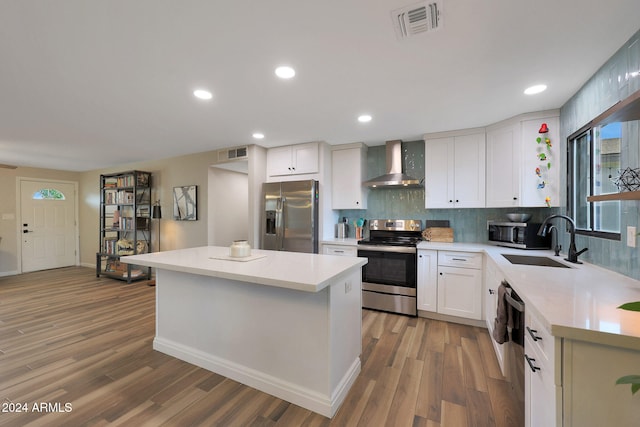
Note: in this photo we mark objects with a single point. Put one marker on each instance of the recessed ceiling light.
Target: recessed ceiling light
(202, 94)
(258, 135)
(535, 89)
(365, 118)
(285, 72)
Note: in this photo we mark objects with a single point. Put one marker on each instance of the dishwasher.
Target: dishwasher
(514, 350)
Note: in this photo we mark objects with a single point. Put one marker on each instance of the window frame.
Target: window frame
(589, 131)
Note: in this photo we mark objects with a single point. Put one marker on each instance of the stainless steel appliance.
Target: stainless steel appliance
(522, 235)
(389, 279)
(514, 354)
(394, 176)
(290, 216)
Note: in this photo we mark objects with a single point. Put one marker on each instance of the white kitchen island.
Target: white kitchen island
(285, 323)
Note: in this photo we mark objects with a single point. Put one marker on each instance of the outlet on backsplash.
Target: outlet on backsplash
(631, 237)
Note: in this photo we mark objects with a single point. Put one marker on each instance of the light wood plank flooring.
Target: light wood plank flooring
(69, 337)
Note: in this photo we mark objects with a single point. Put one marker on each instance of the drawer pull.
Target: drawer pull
(533, 333)
(458, 259)
(338, 252)
(531, 365)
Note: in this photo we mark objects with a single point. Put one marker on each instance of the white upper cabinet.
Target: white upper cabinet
(348, 171)
(503, 166)
(522, 163)
(455, 170)
(293, 160)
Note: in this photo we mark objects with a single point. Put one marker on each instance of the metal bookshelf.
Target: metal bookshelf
(125, 224)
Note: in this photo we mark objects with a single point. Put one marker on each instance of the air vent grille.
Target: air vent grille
(232, 154)
(418, 18)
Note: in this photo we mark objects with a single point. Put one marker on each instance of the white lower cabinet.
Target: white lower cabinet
(460, 292)
(450, 283)
(340, 250)
(427, 280)
(540, 402)
(492, 280)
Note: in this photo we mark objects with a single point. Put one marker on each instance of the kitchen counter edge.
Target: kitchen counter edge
(289, 270)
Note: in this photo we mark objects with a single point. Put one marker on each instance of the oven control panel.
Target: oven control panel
(396, 224)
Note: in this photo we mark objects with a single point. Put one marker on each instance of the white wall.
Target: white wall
(228, 213)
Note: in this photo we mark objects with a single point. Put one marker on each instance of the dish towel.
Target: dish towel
(500, 323)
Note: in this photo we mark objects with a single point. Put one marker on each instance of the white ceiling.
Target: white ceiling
(86, 84)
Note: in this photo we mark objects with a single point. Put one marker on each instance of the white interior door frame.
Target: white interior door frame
(19, 181)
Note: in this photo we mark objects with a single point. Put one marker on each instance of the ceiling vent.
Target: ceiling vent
(418, 18)
(232, 154)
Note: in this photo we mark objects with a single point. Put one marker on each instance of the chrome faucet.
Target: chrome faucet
(572, 255)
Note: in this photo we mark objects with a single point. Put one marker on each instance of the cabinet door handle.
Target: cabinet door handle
(531, 365)
(441, 274)
(491, 292)
(533, 333)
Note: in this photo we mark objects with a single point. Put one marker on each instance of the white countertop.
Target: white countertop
(291, 270)
(579, 302)
(340, 241)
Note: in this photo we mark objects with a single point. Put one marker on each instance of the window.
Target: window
(593, 164)
(48, 194)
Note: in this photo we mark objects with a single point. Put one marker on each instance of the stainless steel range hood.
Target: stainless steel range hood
(394, 178)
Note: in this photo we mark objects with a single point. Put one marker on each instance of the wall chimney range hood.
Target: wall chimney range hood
(394, 178)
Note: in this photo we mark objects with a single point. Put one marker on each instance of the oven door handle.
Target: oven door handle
(396, 249)
(513, 303)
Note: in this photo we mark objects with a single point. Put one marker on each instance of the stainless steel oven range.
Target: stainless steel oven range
(389, 280)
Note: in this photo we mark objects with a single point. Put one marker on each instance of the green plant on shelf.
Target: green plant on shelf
(633, 380)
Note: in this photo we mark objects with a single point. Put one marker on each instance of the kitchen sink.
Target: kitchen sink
(542, 261)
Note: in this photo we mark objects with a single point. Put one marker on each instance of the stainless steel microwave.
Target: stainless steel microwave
(521, 235)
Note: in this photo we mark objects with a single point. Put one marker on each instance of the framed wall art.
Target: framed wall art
(185, 203)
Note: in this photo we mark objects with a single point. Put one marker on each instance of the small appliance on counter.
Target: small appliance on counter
(342, 229)
(521, 235)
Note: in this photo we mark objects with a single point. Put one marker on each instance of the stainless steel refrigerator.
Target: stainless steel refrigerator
(290, 216)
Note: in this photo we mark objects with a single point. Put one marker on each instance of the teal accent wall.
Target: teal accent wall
(614, 81)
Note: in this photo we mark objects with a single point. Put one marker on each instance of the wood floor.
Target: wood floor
(69, 338)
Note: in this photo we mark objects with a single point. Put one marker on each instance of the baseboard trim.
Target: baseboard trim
(452, 319)
(317, 402)
(8, 273)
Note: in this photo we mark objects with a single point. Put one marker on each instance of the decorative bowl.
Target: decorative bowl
(519, 217)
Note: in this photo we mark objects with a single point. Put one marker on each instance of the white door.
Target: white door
(47, 225)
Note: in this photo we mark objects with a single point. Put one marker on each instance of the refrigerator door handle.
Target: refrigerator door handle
(280, 224)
